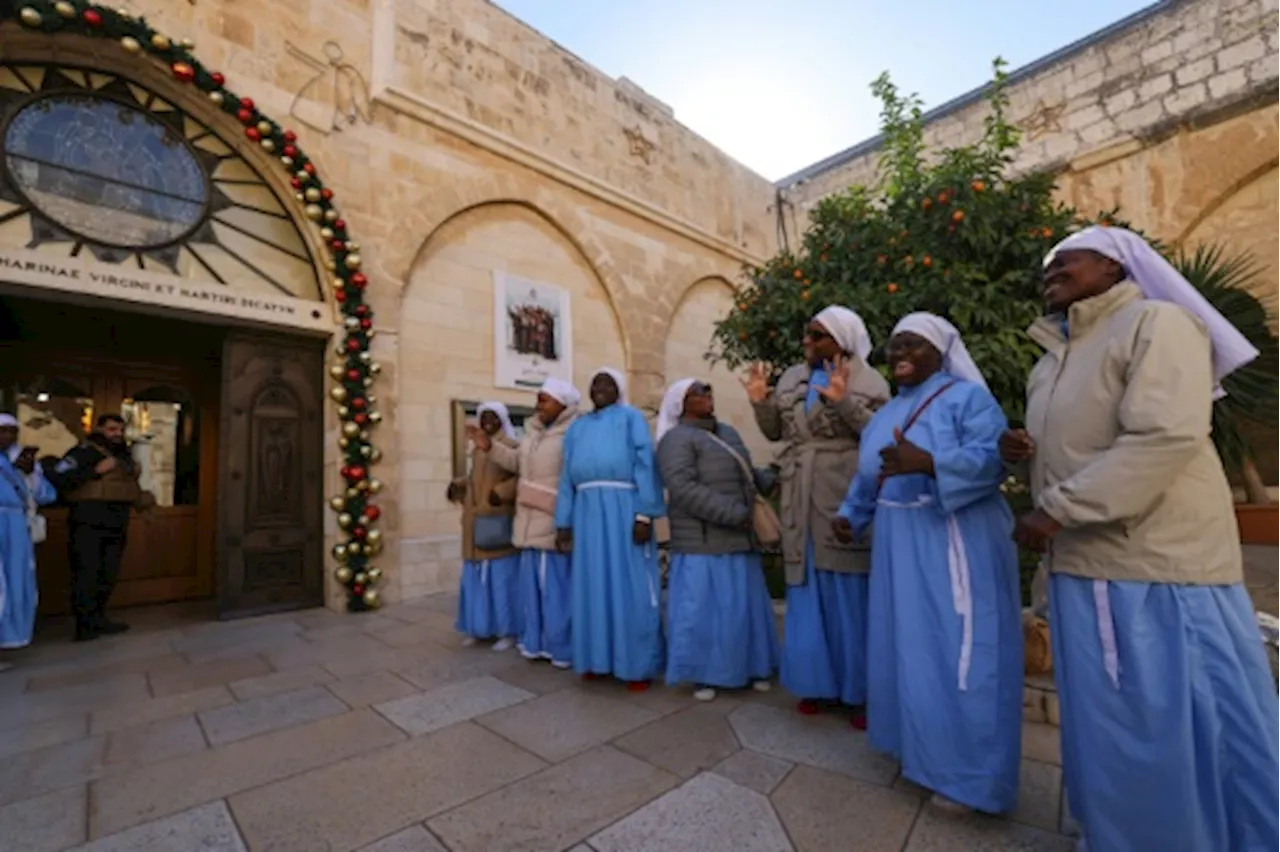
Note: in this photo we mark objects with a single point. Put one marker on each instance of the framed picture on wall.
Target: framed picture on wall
(463, 412)
(532, 333)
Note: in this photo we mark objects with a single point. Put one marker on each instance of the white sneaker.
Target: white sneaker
(950, 806)
(561, 664)
(503, 644)
(527, 654)
(706, 693)
(468, 641)
(761, 685)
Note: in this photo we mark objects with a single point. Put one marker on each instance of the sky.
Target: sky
(781, 84)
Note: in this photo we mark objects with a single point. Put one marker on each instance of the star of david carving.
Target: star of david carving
(1043, 120)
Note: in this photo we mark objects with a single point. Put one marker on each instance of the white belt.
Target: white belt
(961, 589)
(607, 483)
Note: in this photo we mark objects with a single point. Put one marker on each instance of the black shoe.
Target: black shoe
(85, 633)
(111, 628)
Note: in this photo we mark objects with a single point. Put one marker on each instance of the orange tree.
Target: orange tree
(953, 233)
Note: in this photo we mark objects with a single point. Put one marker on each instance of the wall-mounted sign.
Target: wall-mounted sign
(532, 333)
(149, 290)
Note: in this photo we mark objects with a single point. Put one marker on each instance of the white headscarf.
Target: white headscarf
(503, 415)
(8, 420)
(1160, 281)
(561, 391)
(672, 407)
(847, 328)
(618, 379)
(946, 339)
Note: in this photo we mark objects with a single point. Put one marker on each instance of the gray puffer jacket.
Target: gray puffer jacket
(709, 496)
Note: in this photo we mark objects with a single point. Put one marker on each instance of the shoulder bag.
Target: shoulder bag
(764, 521)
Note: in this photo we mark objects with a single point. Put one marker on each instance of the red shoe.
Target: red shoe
(807, 707)
(637, 686)
(858, 721)
(589, 676)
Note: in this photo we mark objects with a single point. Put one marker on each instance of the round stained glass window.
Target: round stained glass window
(105, 171)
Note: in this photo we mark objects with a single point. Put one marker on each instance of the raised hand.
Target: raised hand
(837, 380)
(478, 437)
(1016, 446)
(903, 457)
(756, 383)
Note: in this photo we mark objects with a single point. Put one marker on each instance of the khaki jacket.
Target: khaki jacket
(818, 462)
(537, 460)
(1121, 415)
(486, 477)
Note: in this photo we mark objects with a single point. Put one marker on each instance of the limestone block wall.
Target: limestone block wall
(1176, 63)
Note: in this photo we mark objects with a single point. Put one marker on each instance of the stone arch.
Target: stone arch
(446, 344)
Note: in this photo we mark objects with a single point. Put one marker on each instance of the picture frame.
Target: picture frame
(464, 410)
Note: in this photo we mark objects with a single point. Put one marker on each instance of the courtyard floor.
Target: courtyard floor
(322, 732)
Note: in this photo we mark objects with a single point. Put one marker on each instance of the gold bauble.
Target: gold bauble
(376, 455)
(314, 213)
(375, 368)
(375, 416)
(187, 44)
(286, 161)
(350, 430)
(352, 245)
(371, 398)
(351, 323)
(361, 577)
(343, 412)
(366, 451)
(364, 434)
(365, 357)
(336, 503)
(331, 215)
(364, 520)
(268, 145)
(340, 552)
(339, 393)
(343, 443)
(375, 485)
(337, 371)
(302, 175)
(330, 265)
(30, 17)
(362, 485)
(339, 284)
(264, 127)
(65, 9)
(373, 536)
(352, 493)
(367, 381)
(216, 97)
(124, 13)
(326, 232)
(354, 548)
(298, 197)
(374, 574)
(373, 549)
(371, 598)
(312, 194)
(343, 574)
(132, 45)
(161, 42)
(344, 520)
(352, 261)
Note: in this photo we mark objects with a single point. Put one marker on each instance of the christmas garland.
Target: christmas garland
(355, 370)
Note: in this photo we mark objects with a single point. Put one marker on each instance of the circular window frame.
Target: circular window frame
(206, 208)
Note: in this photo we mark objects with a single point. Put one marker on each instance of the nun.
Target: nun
(721, 631)
(22, 488)
(608, 498)
(944, 647)
(818, 410)
(489, 597)
(544, 570)
(1169, 712)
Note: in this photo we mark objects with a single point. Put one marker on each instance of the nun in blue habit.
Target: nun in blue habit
(608, 498)
(22, 488)
(944, 646)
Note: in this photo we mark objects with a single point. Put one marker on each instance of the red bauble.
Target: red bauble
(218, 78)
(359, 533)
(358, 403)
(372, 512)
(92, 17)
(245, 116)
(366, 323)
(309, 168)
(339, 295)
(295, 183)
(252, 133)
(337, 245)
(290, 150)
(290, 136)
(339, 225)
(355, 471)
(353, 375)
(183, 72)
(353, 344)
(360, 418)
(357, 590)
(362, 310)
(247, 103)
(359, 281)
(326, 193)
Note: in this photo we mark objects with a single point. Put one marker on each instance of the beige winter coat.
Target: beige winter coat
(537, 460)
(486, 478)
(818, 463)
(1121, 416)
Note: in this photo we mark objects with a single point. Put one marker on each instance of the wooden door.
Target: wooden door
(270, 496)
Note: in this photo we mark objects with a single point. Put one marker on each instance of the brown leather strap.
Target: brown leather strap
(911, 421)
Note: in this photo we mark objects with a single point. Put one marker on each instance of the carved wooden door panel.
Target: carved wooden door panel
(270, 499)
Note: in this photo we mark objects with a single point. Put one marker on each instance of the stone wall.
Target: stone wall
(1180, 62)
(465, 142)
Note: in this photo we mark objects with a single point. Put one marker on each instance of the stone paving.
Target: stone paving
(322, 732)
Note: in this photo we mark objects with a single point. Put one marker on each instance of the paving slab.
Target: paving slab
(753, 770)
(44, 770)
(397, 787)
(821, 741)
(683, 743)
(28, 709)
(155, 709)
(936, 831)
(708, 813)
(1042, 743)
(556, 807)
(277, 682)
(39, 735)
(1039, 795)
(48, 823)
(447, 705)
(208, 828)
(560, 725)
(269, 713)
(153, 742)
(539, 677)
(415, 839)
(363, 690)
(824, 810)
(196, 676)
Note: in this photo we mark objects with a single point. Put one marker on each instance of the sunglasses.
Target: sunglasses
(817, 335)
(700, 389)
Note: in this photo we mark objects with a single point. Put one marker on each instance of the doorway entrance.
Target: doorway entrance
(232, 519)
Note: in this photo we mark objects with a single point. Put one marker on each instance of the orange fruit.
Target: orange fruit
(823, 258)
(742, 335)
(804, 294)
(926, 204)
(957, 216)
(798, 274)
(926, 260)
(1048, 232)
(882, 260)
(979, 186)
(908, 260)
(742, 306)
(892, 288)
(942, 198)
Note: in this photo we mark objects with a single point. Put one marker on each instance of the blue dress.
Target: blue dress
(609, 476)
(824, 649)
(1178, 752)
(944, 648)
(545, 589)
(489, 605)
(18, 593)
